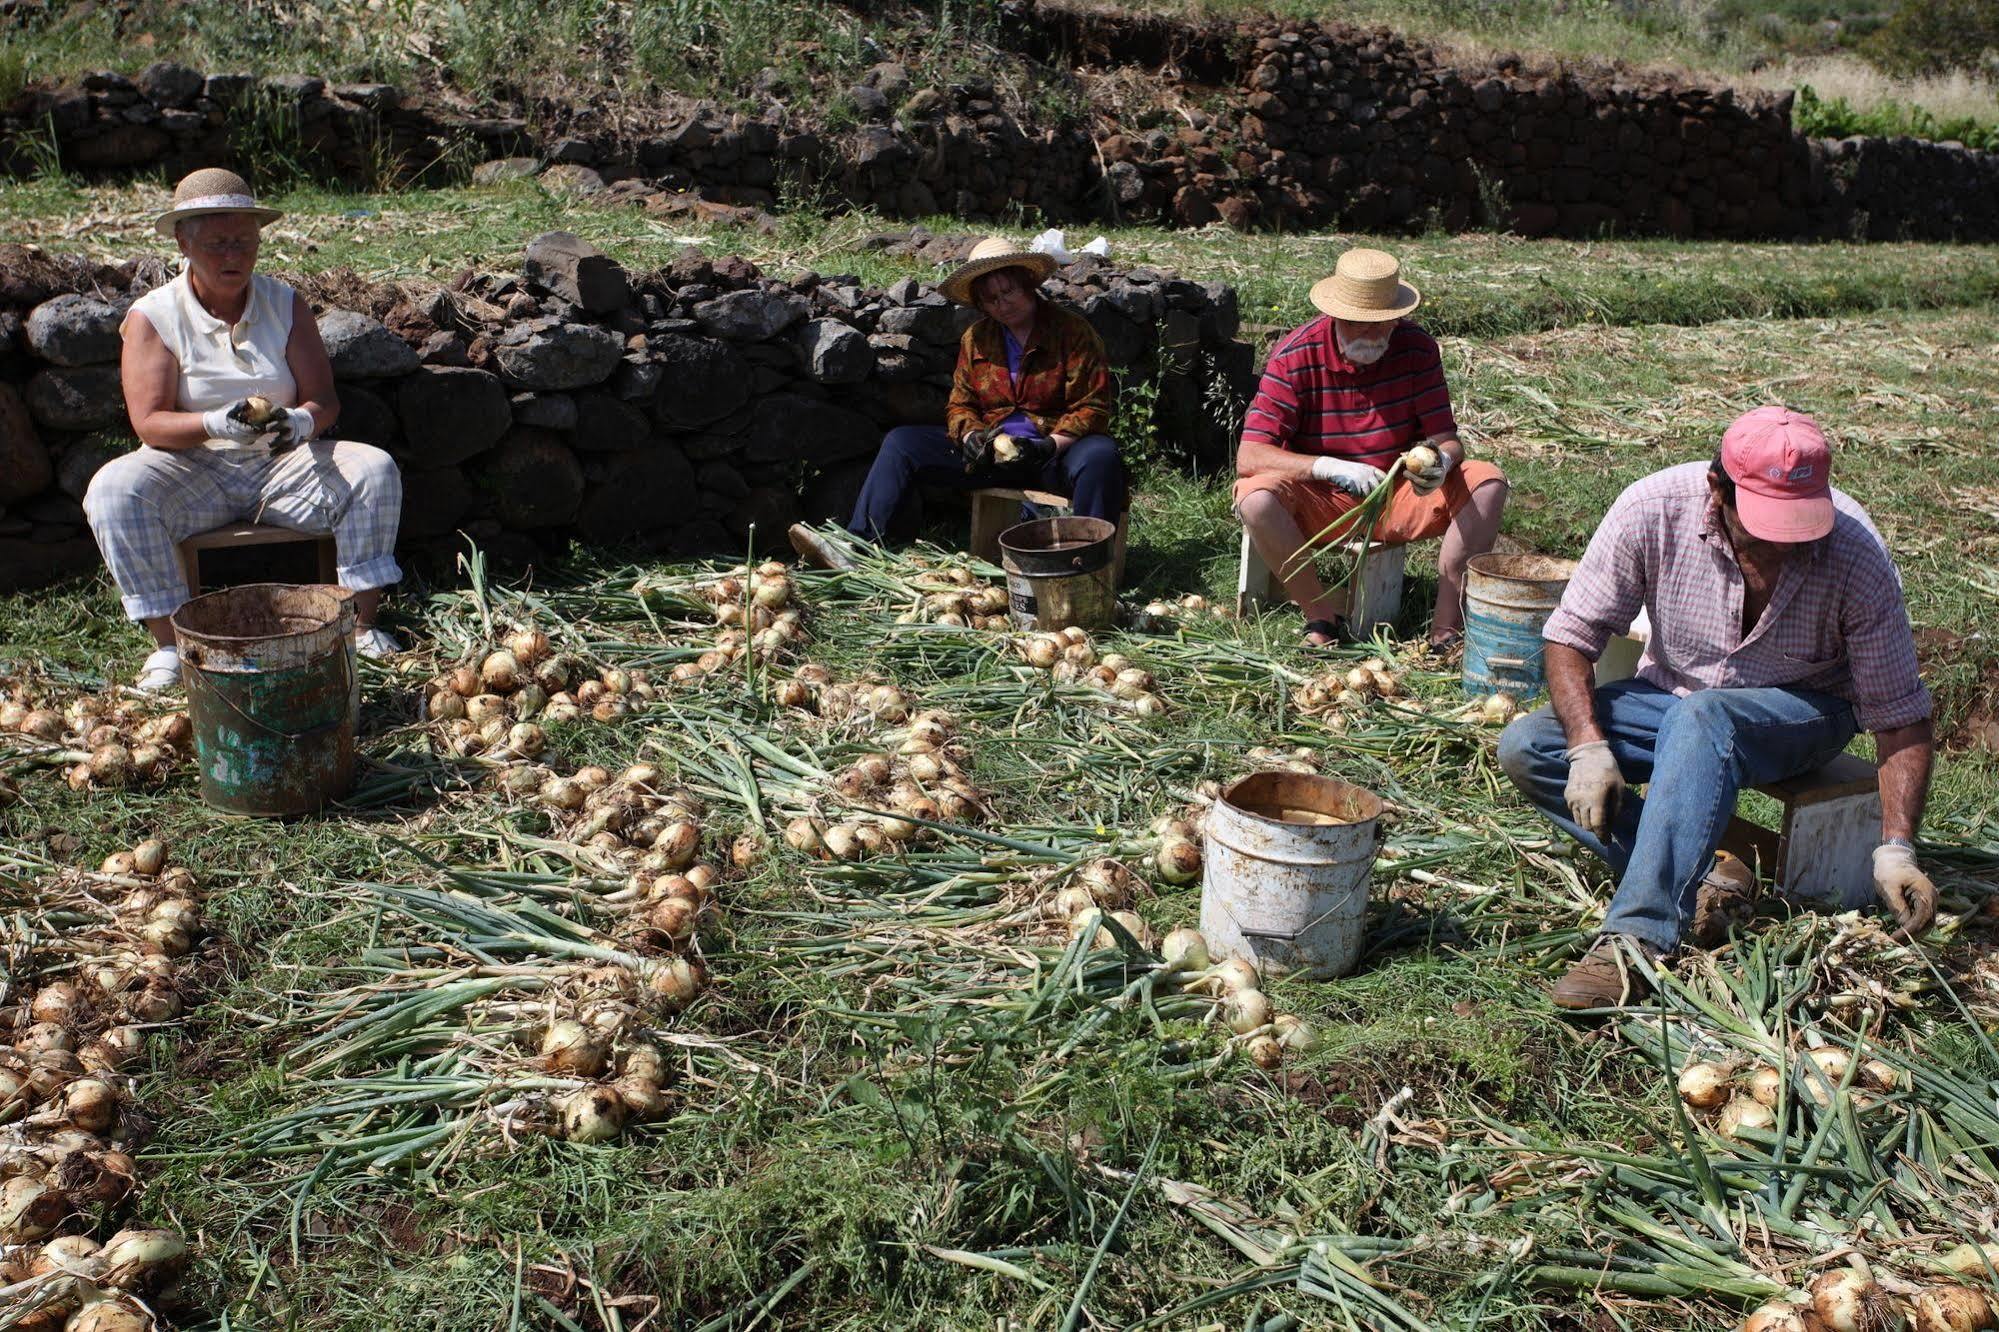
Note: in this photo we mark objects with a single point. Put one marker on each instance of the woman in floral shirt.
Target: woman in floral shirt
(1030, 402)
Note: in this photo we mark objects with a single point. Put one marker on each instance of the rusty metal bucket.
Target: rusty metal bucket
(1058, 573)
(1286, 870)
(272, 695)
(1508, 599)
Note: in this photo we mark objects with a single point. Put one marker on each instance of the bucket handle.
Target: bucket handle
(1282, 936)
(310, 732)
(1519, 663)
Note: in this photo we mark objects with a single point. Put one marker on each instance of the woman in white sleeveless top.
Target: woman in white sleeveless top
(195, 349)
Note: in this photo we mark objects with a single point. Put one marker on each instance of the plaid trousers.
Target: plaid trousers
(143, 505)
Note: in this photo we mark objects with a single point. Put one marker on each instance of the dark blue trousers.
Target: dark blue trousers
(1088, 471)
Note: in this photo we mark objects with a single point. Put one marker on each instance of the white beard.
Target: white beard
(1365, 352)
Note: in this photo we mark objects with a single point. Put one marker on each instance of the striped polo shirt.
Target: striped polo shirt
(1314, 400)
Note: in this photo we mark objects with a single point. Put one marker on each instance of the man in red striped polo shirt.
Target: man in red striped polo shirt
(1341, 399)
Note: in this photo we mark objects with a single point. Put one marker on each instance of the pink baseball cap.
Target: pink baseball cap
(1782, 469)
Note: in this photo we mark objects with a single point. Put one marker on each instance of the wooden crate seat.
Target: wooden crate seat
(232, 535)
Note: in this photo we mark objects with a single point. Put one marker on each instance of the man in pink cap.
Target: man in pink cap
(1778, 631)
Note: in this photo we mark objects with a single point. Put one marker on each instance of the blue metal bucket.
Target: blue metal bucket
(1508, 599)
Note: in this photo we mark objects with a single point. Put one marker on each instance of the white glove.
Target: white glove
(294, 426)
(1426, 479)
(1356, 478)
(220, 424)
(1595, 788)
(1904, 889)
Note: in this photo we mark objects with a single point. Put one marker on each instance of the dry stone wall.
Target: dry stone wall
(573, 400)
(1303, 125)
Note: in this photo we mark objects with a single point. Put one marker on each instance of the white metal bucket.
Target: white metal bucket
(1285, 884)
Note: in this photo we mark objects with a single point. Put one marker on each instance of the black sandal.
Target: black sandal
(1334, 629)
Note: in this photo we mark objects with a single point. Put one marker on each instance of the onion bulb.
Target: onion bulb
(1703, 1085)
(1072, 901)
(594, 1114)
(1232, 975)
(1766, 1085)
(529, 646)
(42, 724)
(1850, 1301)
(677, 982)
(149, 857)
(642, 1097)
(1743, 1113)
(1420, 458)
(142, 1257)
(1951, 1309)
(675, 917)
(58, 1002)
(802, 835)
(1178, 860)
(109, 1315)
(562, 793)
(1499, 709)
(1041, 652)
(75, 1255)
(29, 1209)
(110, 765)
(500, 671)
(746, 852)
(1782, 1316)
(1184, 950)
(483, 708)
(91, 1104)
(1293, 1032)
(1246, 1010)
(1266, 1052)
(1973, 1259)
(45, 1036)
(568, 1047)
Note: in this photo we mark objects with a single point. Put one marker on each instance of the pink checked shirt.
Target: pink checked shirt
(1835, 622)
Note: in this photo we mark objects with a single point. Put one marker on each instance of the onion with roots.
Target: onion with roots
(641, 1097)
(1703, 1085)
(110, 765)
(802, 835)
(568, 1047)
(1231, 975)
(1266, 1052)
(76, 1255)
(60, 1003)
(91, 1104)
(529, 646)
(1071, 902)
(1766, 1085)
(1850, 1301)
(593, 1114)
(139, 1258)
(675, 917)
(1293, 1032)
(500, 672)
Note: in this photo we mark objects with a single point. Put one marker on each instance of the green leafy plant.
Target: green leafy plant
(1836, 118)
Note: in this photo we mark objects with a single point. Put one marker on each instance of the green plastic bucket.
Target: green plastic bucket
(272, 695)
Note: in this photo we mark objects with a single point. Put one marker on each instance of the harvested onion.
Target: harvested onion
(1703, 1085)
(1178, 860)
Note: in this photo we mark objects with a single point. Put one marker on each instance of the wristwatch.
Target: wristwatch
(1898, 841)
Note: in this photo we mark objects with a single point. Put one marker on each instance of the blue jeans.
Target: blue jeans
(1088, 471)
(1693, 755)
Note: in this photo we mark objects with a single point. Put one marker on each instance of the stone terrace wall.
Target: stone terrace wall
(1310, 125)
(574, 400)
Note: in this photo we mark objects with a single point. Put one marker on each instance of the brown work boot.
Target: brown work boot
(1725, 900)
(816, 550)
(1606, 977)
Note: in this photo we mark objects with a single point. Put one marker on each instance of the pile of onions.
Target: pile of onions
(107, 744)
(70, 1141)
(756, 611)
(1489, 710)
(1299, 759)
(630, 822)
(1845, 1300)
(1159, 615)
(980, 607)
(495, 706)
(1070, 657)
(898, 795)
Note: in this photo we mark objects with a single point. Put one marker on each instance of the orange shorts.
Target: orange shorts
(1406, 517)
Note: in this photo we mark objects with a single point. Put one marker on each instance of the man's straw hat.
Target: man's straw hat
(1366, 287)
(988, 256)
(211, 190)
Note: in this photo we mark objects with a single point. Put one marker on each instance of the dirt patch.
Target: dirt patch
(1967, 709)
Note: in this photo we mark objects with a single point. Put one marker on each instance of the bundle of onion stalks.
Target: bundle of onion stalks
(494, 707)
(1159, 615)
(103, 742)
(497, 1007)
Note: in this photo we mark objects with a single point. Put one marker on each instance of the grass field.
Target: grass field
(906, 1102)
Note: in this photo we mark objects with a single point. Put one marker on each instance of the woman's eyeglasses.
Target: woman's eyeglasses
(221, 247)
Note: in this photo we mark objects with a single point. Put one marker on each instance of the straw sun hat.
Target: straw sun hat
(211, 190)
(1366, 287)
(990, 255)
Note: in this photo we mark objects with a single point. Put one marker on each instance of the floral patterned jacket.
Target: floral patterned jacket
(1065, 382)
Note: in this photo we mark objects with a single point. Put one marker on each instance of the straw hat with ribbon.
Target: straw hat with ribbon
(1366, 287)
(989, 256)
(211, 190)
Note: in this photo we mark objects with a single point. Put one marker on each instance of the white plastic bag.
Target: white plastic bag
(1055, 245)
